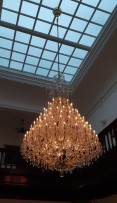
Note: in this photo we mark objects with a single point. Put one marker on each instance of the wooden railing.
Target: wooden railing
(108, 137)
(10, 157)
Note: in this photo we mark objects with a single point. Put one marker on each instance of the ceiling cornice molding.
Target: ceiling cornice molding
(20, 108)
(98, 46)
(25, 78)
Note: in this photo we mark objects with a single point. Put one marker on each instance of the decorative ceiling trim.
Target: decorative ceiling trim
(15, 75)
(20, 108)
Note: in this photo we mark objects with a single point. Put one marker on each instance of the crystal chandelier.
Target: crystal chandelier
(60, 139)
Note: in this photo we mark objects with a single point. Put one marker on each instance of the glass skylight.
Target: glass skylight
(29, 9)
(16, 65)
(6, 32)
(22, 37)
(29, 68)
(4, 62)
(5, 43)
(9, 16)
(12, 6)
(26, 22)
(18, 57)
(28, 35)
(85, 12)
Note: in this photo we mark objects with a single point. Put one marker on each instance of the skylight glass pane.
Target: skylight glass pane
(32, 60)
(4, 62)
(5, 32)
(5, 53)
(100, 17)
(93, 29)
(64, 20)
(51, 4)
(18, 56)
(22, 37)
(46, 14)
(34, 51)
(9, 16)
(63, 59)
(87, 40)
(68, 78)
(66, 49)
(14, 5)
(42, 27)
(73, 36)
(84, 12)
(55, 67)
(70, 70)
(29, 69)
(52, 74)
(48, 55)
(80, 53)
(52, 45)
(54, 31)
(75, 62)
(26, 22)
(89, 2)
(108, 5)
(20, 47)
(42, 72)
(78, 25)
(36, 41)
(5, 43)
(29, 9)
(45, 64)
(16, 65)
(70, 8)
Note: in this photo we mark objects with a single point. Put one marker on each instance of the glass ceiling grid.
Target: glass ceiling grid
(84, 32)
(38, 65)
(31, 37)
(66, 34)
(14, 35)
(50, 22)
(56, 58)
(76, 28)
(68, 28)
(62, 26)
(86, 3)
(80, 36)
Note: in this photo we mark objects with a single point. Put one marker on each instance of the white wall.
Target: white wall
(105, 112)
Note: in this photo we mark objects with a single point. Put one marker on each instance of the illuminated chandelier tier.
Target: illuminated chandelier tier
(60, 139)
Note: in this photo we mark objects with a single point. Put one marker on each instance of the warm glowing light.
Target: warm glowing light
(60, 139)
(61, 142)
